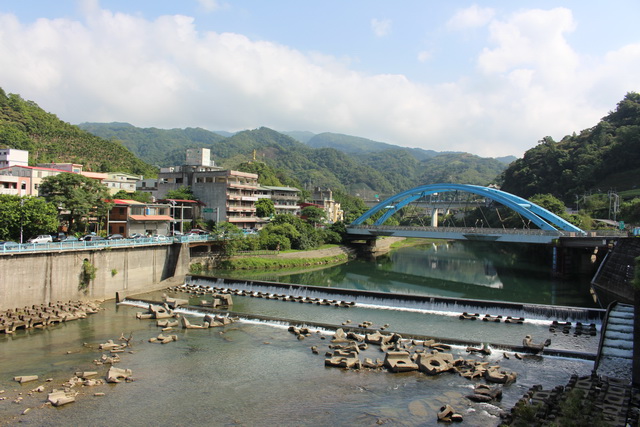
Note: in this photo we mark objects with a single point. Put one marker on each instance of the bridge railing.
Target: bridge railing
(485, 230)
(466, 230)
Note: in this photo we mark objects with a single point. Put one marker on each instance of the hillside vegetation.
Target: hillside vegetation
(25, 126)
(602, 158)
(344, 163)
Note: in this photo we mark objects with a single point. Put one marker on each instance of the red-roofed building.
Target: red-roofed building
(129, 217)
(34, 174)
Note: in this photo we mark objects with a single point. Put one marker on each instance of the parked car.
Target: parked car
(159, 238)
(58, 237)
(91, 238)
(115, 237)
(198, 231)
(137, 236)
(8, 245)
(69, 239)
(43, 238)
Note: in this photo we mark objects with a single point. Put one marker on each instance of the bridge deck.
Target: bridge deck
(546, 237)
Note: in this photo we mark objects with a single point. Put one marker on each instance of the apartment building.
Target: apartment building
(285, 199)
(227, 195)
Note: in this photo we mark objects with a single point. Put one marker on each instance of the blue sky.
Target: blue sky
(490, 78)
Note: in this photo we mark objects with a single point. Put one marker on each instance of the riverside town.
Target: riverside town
(260, 280)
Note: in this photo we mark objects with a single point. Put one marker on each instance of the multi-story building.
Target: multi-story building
(227, 195)
(285, 199)
(31, 176)
(15, 185)
(324, 199)
(127, 217)
(13, 157)
(119, 181)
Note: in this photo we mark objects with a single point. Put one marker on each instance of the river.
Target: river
(258, 373)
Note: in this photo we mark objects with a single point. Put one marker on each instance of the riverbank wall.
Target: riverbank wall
(89, 274)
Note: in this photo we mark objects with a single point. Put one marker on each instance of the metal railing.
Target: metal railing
(484, 230)
(79, 244)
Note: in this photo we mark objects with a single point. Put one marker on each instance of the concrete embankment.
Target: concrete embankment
(88, 274)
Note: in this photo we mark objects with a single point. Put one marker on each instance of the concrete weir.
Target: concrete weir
(199, 311)
(534, 311)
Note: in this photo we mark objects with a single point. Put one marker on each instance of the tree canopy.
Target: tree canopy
(77, 195)
(32, 215)
(604, 157)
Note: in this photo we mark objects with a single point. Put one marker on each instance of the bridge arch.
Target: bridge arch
(540, 216)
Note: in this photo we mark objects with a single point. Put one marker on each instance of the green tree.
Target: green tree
(265, 207)
(313, 214)
(33, 214)
(76, 196)
(630, 211)
(182, 193)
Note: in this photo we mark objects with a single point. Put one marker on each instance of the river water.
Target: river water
(258, 373)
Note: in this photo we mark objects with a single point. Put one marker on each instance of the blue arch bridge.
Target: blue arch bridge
(551, 229)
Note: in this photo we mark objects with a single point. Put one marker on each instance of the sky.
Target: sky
(490, 78)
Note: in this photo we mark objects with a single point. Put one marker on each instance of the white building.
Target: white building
(13, 157)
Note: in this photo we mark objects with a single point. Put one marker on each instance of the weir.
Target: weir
(411, 301)
(284, 322)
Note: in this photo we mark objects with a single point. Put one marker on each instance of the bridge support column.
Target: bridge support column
(434, 217)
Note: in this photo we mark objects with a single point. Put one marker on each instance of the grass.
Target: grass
(258, 263)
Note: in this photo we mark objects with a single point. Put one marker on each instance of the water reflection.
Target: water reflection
(477, 271)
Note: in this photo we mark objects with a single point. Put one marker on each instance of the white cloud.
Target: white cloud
(381, 28)
(166, 73)
(424, 56)
(471, 17)
(209, 5)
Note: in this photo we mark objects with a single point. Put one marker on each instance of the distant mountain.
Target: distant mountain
(357, 145)
(300, 135)
(155, 146)
(506, 159)
(342, 162)
(25, 126)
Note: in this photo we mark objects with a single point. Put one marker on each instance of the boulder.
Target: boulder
(399, 361)
(343, 359)
(116, 375)
(61, 397)
(435, 363)
(25, 378)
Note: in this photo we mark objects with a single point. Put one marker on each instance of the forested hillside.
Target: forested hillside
(355, 166)
(25, 126)
(604, 157)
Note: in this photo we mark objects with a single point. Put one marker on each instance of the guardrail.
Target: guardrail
(483, 230)
(79, 244)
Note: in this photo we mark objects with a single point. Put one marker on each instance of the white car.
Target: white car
(43, 238)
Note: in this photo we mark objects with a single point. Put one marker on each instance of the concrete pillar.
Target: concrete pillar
(434, 217)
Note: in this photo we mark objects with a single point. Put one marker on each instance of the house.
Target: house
(183, 212)
(128, 217)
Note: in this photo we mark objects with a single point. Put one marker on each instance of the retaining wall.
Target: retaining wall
(37, 278)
